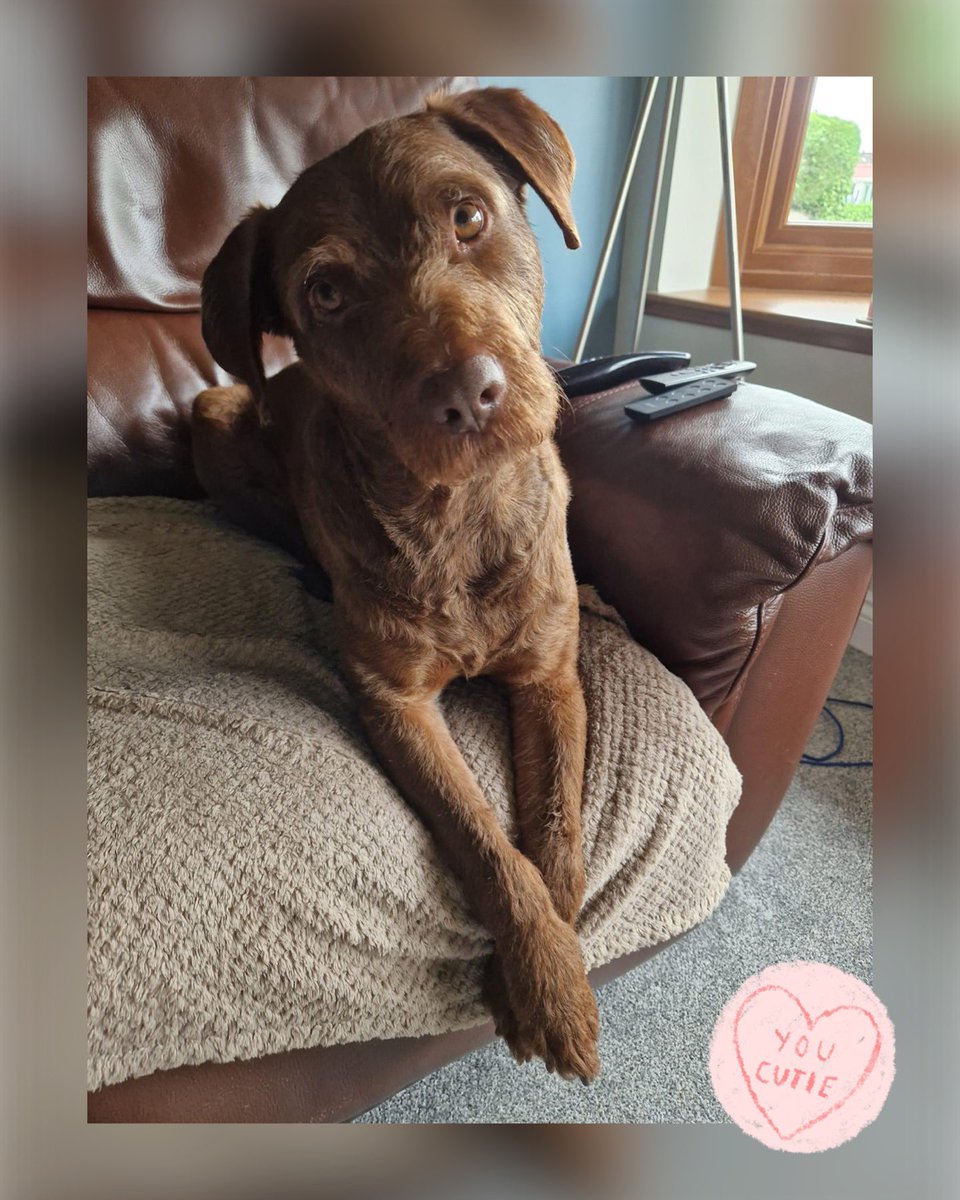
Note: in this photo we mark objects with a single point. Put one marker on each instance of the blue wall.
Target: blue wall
(597, 114)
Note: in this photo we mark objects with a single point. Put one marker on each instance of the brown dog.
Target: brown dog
(410, 451)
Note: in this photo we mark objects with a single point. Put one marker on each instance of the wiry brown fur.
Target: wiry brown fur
(447, 553)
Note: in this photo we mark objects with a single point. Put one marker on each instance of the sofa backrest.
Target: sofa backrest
(173, 164)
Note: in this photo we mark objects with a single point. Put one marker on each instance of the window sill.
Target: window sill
(815, 318)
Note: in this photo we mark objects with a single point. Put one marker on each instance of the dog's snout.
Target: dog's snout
(463, 398)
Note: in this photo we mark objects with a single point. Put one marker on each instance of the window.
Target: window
(803, 163)
(835, 178)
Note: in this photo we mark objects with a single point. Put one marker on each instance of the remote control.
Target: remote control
(671, 379)
(651, 408)
(598, 374)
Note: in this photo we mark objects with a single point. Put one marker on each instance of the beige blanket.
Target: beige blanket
(256, 884)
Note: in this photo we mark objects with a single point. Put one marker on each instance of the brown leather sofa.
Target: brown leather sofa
(735, 539)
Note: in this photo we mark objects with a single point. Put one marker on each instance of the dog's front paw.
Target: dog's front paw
(552, 1009)
(498, 1001)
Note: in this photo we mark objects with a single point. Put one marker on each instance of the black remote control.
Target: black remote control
(651, 408)
(598, 374)
(670, 379)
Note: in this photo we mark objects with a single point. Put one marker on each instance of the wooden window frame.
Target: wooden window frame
(770, 128)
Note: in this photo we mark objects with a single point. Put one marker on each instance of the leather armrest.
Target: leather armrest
(695, 526)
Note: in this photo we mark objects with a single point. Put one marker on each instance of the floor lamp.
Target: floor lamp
(729, 211)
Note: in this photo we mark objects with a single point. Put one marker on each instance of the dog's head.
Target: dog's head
(405, 271)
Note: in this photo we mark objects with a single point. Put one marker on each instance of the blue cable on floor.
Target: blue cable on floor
(830, 760)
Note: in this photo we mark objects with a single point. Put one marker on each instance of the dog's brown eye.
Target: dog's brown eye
(467, 220)
(325, 296)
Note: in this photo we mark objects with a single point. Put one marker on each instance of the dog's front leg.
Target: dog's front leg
(549, 722)
(547, 1008)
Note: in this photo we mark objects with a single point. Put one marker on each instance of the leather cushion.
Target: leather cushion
(694, 526)
(174, 163)
(144, 371)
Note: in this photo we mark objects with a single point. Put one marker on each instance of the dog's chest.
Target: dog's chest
(445, 584)
(463, 596)
(466, 597)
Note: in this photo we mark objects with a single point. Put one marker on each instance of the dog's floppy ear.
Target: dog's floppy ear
(527, 135)
(238, 303)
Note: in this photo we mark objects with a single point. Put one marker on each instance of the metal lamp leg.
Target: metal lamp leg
(730, 220)
(655, 205)
(636, 140)
(729, 214)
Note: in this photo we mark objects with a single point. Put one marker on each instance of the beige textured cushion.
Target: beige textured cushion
(256, 884)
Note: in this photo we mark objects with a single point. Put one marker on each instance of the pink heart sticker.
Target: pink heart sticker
(800, 1070)
(802, 1057)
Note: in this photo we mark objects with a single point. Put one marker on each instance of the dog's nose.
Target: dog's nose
(463, 398)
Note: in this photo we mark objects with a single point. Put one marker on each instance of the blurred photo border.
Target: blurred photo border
(47, 51)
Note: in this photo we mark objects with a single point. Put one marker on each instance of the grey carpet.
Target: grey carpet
(805, 893)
